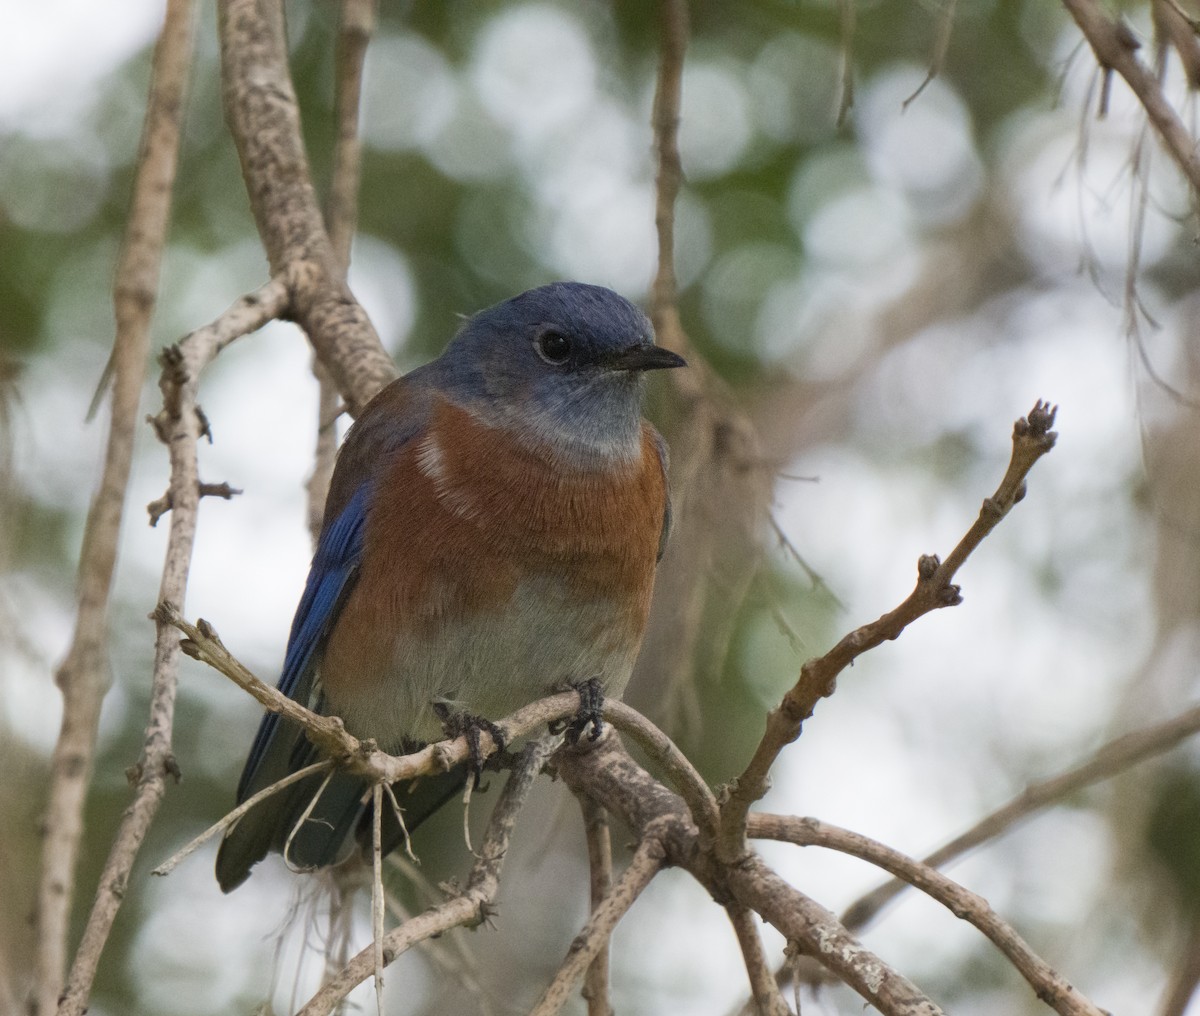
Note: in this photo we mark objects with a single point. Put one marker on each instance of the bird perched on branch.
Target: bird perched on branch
(490, 537)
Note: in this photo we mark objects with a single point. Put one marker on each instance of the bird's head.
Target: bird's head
(560, 366)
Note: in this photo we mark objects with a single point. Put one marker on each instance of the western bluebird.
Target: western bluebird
(491, 535)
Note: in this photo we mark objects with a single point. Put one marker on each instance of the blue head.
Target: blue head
(560, 366)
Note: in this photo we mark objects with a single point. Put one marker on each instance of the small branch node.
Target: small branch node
(159, 507)
(992, 510)
(950, 596)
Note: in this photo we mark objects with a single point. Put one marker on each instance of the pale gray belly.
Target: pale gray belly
(493, 663)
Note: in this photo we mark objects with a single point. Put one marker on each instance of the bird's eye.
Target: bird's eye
(553, 347)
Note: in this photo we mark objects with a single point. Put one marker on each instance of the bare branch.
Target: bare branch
(354, 32)
(668, 93)
(647, 862)
(603, 770)
(329, 408)
(229, 820)
(1116, 48)
(716, 487)
(179, 425)
(451, 954)
(1177, 28)
(846, 18)
(1050, 986)
(1181, 988)
(83, 676)
(763, 989)
(1032, 438)
(158, 508)
(1114, 757)
(941, 47)
(599, 847)
(470, 908)
(204, 644)
(377, 895)
(263, 116)
(675, 765)
(341, 216)
(364, 759)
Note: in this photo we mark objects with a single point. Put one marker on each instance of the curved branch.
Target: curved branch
(264, 118)
(1032, 438)
(1050, 986)
(646, 863)
(1114, 757)
(606, 772)
(1116, 48)
(366, 760)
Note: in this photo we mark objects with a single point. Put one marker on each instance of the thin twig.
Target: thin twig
(452, 953)
(229, 820)
(179, 425)
(1115, 47)
(765, 992)
(473, 906)
(607, 773)
(158, 508)
(599, 848)
(355, 28)
(647, 862)
(204, 644)
(377, 896)
(83, 677)
(1184, 979)
(668, 92)
(1050, 986)
(341, 217)
(941, 47)
(1032, 438)
(846, 18)
(1114, 757)
(364, 759)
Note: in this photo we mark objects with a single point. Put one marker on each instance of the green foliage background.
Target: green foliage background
(898, 388)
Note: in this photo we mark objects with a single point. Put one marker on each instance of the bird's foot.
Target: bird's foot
(591, 712)
(463, 724)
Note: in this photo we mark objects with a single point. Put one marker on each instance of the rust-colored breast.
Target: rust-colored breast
(464, 514)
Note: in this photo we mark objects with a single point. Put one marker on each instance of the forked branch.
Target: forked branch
(1032, 438)
(1050, 986)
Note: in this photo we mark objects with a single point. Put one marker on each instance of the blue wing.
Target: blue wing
(280, 747)
(392, 418)
(330, 579)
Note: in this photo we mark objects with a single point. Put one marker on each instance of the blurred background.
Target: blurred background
(883, 299)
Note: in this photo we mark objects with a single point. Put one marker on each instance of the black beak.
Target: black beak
(645, 357)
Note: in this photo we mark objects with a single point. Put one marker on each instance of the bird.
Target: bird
(491, 534)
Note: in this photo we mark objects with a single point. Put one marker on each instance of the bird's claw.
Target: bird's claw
(591, 713)
(462, 724)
